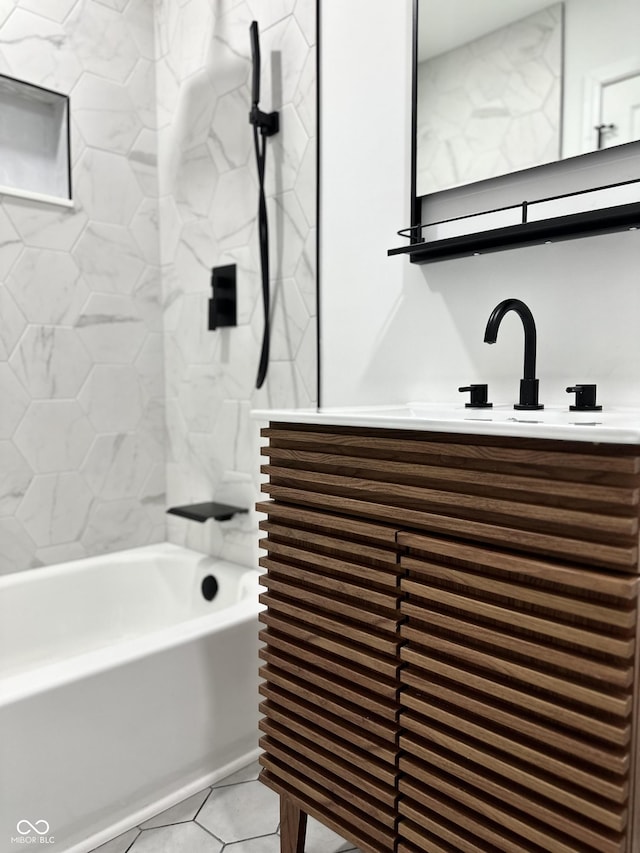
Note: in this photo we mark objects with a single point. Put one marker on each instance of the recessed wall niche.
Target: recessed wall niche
(34, 142)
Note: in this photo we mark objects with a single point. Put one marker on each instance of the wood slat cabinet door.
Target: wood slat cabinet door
(518, 720)
(331, 669)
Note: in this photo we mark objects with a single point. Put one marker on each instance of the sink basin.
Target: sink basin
(616, 425)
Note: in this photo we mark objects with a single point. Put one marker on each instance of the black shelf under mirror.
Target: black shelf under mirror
(571, 226)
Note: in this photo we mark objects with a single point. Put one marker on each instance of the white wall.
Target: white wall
(364, 127)
(393, 331)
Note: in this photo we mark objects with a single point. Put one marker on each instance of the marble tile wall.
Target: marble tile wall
(81, 354)
(116, 401)
(492, 106)
(208, 217)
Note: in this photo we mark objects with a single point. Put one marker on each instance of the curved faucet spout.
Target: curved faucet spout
(530, 337)
(529, 383)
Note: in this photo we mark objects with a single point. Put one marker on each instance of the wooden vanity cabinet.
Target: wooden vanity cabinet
(450, 640)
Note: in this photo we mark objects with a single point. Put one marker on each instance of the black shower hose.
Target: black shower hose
(263, 232)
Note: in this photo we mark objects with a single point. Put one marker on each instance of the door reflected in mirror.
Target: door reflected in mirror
(505, 85)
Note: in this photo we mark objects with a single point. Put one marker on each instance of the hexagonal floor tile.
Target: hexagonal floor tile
(121, 844)
(321, 839)
(181, 813)
(238, 805)
(238, 812)
(180, 838)
(264, 844)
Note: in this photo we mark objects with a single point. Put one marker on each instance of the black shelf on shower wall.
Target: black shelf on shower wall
(204, 511)
(589, 223)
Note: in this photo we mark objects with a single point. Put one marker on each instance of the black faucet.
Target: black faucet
(529, 383)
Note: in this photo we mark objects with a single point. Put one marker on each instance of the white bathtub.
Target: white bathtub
(122, 691)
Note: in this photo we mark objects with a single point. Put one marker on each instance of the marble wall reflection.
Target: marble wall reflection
(115, 399)
(492, 106)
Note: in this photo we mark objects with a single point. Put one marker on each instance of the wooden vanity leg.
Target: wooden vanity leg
(293, 826)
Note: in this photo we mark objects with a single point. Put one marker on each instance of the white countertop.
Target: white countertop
(614, 425)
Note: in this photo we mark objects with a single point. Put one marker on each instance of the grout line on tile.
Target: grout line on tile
(220, 785)
(251, 838)
(208, 831)
(204, 802)
(134, 840)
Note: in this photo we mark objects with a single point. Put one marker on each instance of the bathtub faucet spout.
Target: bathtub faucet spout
(202, 512)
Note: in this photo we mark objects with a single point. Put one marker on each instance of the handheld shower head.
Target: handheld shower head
(266, 123)
(255, 59)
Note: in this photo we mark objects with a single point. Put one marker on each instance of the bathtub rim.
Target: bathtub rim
(33, 575)
(30, 681)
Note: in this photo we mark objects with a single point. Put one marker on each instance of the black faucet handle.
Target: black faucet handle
(479, 395)
(585, 398)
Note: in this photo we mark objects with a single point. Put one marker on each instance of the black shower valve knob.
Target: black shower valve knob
(585, 398)
(479, 394)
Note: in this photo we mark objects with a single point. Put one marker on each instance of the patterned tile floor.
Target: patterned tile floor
(236, 815)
